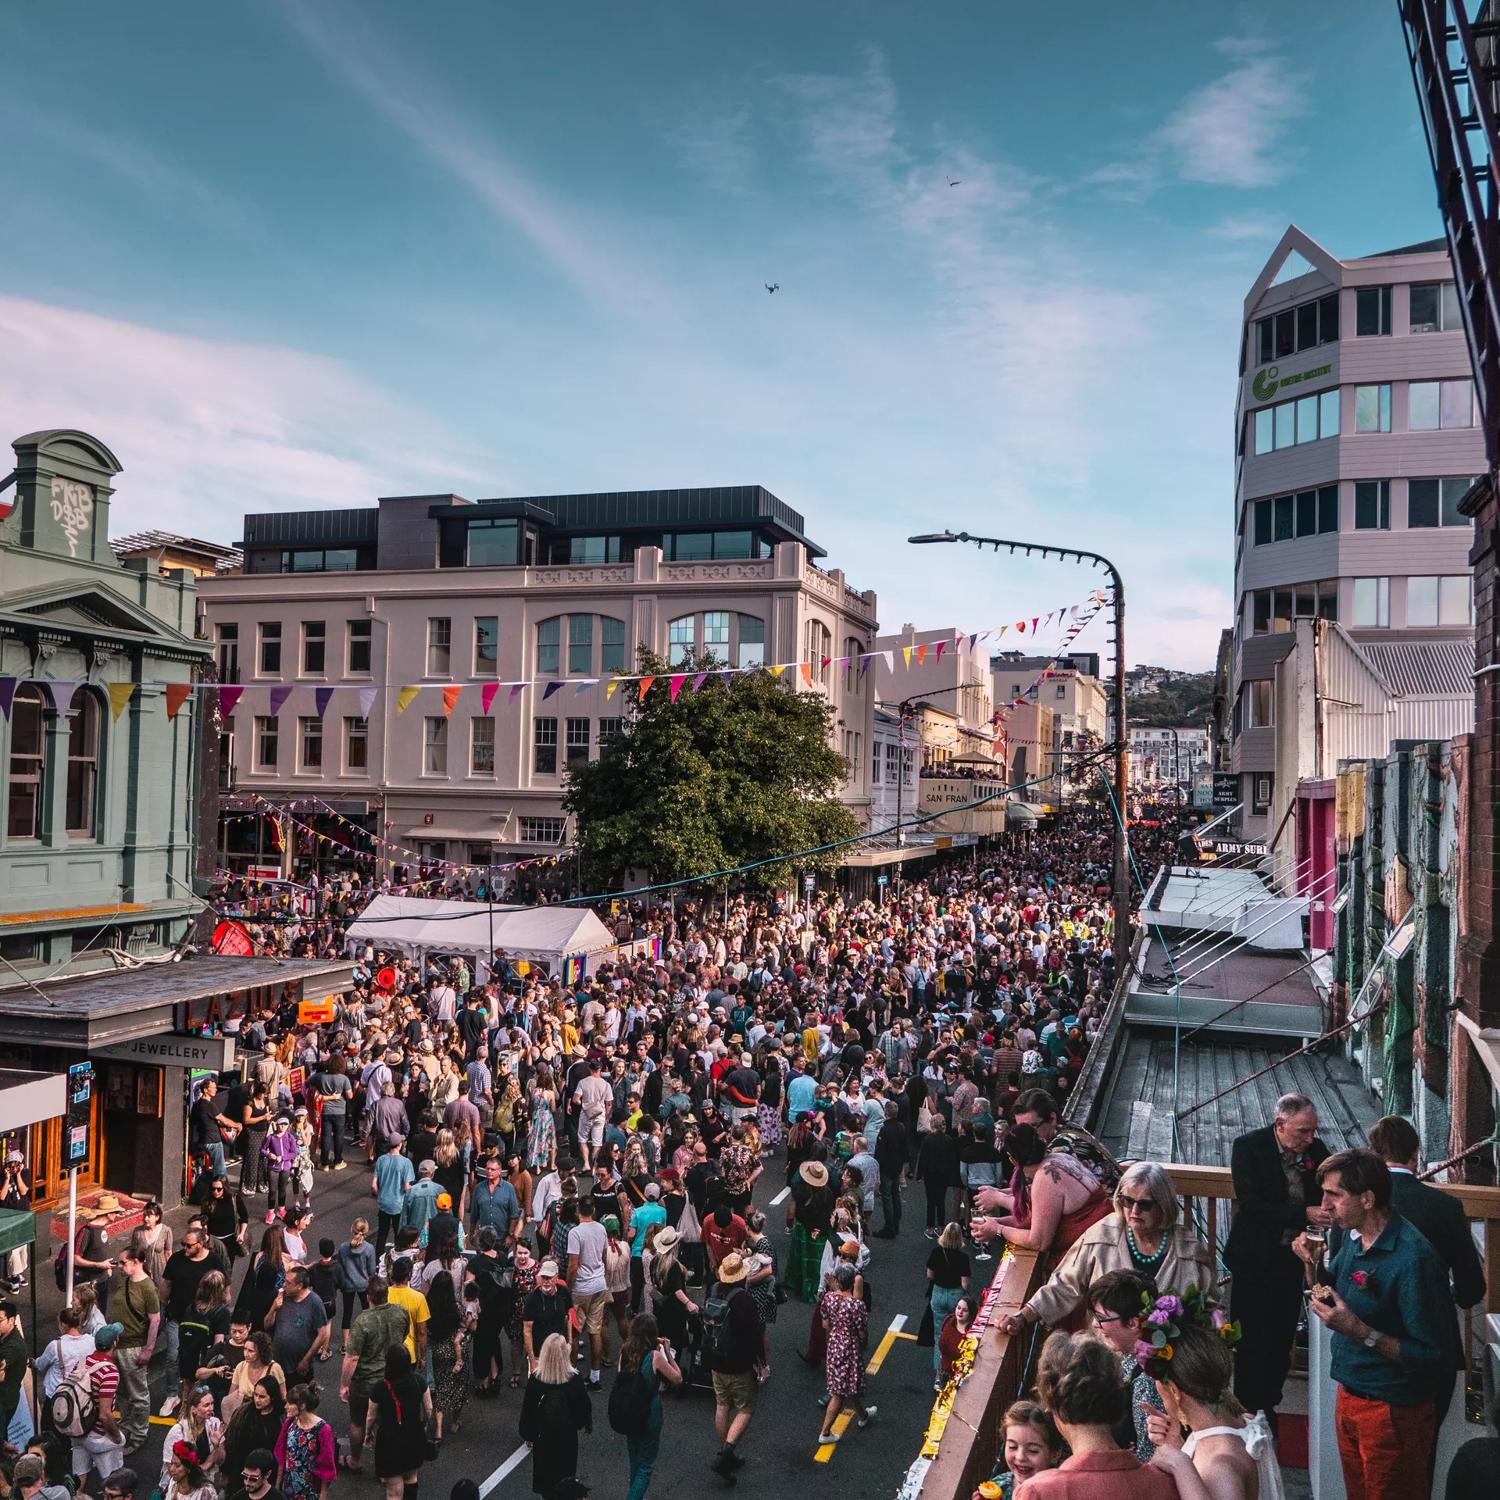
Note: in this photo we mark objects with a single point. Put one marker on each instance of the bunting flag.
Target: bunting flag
(645, 688)
(515, 691)
(698, 681)
(939, 655)
(1021, 626)
(62, 696)
(674, 684)
(921, 655)
(7, 694)
(487, 696)
(826, 660)
(404, 699)
(864, 663)
(279, 694)
(906, 653)
(322, 697)
(1001, 632)
(450, 697)
(1034, 620)
(609, 690)
(228, 697)
(178, 693)
(777, 671)
(551, 688)
(805, 667)
(585, 685)
(120, 693)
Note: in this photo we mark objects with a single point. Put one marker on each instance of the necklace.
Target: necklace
(1138, 1255)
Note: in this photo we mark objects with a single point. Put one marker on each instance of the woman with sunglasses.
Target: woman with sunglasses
(1145, 1234)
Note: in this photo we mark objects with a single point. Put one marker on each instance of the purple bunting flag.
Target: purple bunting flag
(551, 688)
(321, 698)
(7, 694)
(279, 694)
(228, 697)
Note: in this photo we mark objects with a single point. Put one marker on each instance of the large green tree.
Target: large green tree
(737, 772)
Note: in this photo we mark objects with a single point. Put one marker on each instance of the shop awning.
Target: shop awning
(93, 1010)
(17, 1229)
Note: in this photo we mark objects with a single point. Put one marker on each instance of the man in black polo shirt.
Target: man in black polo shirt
(546, 1311)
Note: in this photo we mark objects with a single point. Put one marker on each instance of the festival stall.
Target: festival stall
(560, 939)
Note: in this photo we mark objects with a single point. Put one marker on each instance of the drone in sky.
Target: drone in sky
(773, 286)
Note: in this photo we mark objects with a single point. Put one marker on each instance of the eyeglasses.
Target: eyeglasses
(1103, 1318)
(1142, 1205)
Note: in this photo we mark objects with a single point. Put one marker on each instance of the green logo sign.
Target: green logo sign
(1266, 384)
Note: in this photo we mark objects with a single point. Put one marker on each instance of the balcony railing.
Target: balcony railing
(1003, 1364)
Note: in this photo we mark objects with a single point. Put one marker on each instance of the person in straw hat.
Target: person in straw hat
(739, 1362)
(809, 1211)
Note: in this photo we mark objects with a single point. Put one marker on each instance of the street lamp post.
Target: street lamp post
(1121, 883)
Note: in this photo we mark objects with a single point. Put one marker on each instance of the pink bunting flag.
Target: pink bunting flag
(826, 660)
(279, 694)
(674, 684)
(551, 688)
(515, 691)
(938, 655)
(487, 696)
(321, 699)
(367, 701)
(1034, 619)
(228, 697)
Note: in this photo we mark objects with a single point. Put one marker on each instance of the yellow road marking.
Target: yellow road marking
(840, 1426)
(887, 1342)
(845, 1417)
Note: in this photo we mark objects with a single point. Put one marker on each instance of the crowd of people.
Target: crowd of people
(563, 1182)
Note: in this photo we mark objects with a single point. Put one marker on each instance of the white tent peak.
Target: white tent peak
(542, 934)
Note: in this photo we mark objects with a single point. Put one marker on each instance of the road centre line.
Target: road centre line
(781, 1197)
(510, 1464)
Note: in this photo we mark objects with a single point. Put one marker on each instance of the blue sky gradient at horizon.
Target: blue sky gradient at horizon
(284, 255)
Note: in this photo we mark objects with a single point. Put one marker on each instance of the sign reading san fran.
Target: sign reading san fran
(1268, 382)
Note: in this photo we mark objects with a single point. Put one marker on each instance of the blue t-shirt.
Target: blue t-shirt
(799, 1094)
(392, 1173)
(640, 1223)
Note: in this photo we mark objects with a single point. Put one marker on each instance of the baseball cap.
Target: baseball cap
(547, 1268)
(107, 1335)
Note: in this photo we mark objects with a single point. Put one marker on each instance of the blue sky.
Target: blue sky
(286, 254)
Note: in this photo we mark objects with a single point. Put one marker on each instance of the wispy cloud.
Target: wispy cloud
(584, 253)
(209, 430)
(1235, 228)
(716, 143)
(1230, 132)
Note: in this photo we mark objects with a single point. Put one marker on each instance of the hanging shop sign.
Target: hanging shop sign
(213, 1053)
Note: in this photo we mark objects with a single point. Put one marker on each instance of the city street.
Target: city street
(781, 1449)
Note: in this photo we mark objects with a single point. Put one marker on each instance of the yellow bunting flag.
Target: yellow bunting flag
(906, 654)
(645, 688)
(806, 667)
(609, 691)
(777, 670)
(404, 697)
(450, 697)
(120, 693)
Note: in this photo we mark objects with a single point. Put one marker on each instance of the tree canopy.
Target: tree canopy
(737, 772)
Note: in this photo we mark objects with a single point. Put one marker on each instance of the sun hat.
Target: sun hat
(666, 1239)
(547, 1268)
(731, 1269)
(813, 1173)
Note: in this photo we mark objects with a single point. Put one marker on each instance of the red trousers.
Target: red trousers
(1383, 1448)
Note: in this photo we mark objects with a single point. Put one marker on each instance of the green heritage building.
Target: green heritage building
(104, 791)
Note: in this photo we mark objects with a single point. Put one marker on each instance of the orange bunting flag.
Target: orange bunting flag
(645, 688)
(921, 655)
(177, 694)
(404, 698)
(805, 667)
(450, 697)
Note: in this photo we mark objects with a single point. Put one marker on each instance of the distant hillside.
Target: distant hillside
(1160, 698)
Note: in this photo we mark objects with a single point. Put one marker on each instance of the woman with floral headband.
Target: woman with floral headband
(1227, 1455)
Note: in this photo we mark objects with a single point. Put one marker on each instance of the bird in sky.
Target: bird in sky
(955, 182)
(773, 286)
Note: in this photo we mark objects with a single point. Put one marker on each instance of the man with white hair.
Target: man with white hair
(1277, 1196)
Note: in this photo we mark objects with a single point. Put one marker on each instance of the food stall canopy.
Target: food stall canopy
(541, 934)
(17, 1229)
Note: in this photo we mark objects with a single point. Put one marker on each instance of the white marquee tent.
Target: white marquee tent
(540, 934)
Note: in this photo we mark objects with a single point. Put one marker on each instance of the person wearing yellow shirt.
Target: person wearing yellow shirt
(405, 1296)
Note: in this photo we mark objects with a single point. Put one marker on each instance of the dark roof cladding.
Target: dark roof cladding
(1423, 247)
(1416, 668)
(313, 528)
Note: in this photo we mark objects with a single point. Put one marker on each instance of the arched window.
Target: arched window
(752, 645)
(83, 767)
(25, 778)
(853, 650)
(732, 640)
(682, 641)
(819, 643)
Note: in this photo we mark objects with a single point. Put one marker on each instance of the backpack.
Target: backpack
(60, 1261)
(72, 1406)
(629, 1403)
(716, 1341)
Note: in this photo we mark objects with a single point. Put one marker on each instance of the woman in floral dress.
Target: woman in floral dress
(848, 1325)
(525, 1266)
(541, 1136)
(305, 1449)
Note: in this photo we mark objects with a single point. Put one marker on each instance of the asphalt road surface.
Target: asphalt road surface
(781, 1449)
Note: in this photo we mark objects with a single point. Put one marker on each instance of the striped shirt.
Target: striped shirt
(104, 1382)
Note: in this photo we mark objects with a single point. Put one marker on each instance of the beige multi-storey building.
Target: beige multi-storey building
(1068, 686)
(553, 593)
